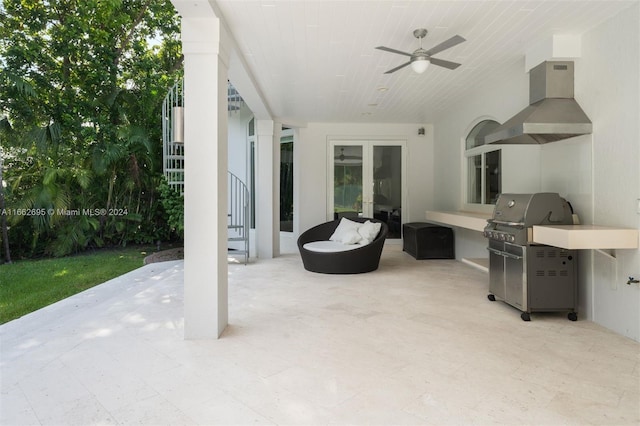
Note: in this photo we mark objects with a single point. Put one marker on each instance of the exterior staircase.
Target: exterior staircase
(238, 217)
(173, 168)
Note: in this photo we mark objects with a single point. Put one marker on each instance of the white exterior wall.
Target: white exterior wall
(608, 87)
(598, 173)
(311, 167)
(238, 149)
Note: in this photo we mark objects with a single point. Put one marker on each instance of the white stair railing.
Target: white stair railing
(238, 216)
(173, 137)
(173, 168)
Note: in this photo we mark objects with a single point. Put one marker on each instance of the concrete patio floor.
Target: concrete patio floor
(416, 342)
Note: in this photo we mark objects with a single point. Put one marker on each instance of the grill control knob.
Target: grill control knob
(512, 238)
(502, 237)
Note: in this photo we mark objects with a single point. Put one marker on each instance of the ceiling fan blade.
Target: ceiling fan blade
(453, 41)
(443, 63)
(388, 49)
(397, 68)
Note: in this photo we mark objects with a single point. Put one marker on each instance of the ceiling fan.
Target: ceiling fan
(421, 58)
(342, 157)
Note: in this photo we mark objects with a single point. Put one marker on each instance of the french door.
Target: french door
(367, 179)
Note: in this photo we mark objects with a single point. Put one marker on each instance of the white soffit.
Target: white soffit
(557, 47)
(194, 8)
(315, 60)
(238, 73)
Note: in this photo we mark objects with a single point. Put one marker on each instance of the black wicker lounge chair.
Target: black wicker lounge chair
(362, 259)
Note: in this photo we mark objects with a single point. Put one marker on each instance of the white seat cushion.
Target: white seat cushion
(329, 246)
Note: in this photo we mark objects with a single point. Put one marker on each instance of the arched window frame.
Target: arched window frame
(482, 176)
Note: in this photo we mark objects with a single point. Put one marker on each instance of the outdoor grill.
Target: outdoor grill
(529, 276)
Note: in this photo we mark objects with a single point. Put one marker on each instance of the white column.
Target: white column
(205, 206)
(296, 181)
(277, 134)
(268, 188)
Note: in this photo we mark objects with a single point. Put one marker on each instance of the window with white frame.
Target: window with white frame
(484, 168)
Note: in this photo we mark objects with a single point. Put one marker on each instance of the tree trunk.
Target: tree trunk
(3, 219)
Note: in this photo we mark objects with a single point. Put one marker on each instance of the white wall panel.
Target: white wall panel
(312, 166)
(521, 169)
(608, 87)
(566, 168)
(238, 149)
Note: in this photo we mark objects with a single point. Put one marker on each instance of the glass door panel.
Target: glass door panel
(492, 179)
(474, 179)
(387, 187)
(368, 181)
(347, 180)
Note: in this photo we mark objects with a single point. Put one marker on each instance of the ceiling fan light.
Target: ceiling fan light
(420, 65)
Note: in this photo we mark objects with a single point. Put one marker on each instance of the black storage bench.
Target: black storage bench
(428, 241)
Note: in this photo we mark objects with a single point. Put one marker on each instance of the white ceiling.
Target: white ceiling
(316, 60)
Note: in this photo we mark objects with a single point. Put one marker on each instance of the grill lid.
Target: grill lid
(525, 210)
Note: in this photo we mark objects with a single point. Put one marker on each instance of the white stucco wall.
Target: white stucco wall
(598, 173)
(310, 167)
(238, 149)
(608, 86)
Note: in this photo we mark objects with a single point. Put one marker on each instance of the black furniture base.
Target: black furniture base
(428, 241)
(357, 261)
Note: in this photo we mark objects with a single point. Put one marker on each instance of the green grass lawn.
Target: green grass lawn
(28, 285)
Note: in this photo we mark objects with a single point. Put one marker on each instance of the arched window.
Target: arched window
(484, 168)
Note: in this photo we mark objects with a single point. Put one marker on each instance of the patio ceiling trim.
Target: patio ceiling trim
(238, 72)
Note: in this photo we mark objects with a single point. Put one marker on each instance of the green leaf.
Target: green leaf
(81, 101)
(50, 176)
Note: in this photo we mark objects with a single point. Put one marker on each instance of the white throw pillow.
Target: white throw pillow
(368, 231)
(350, 236)
(345, 231)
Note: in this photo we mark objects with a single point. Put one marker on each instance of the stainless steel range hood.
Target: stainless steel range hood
(552, 115)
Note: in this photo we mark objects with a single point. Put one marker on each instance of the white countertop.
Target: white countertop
(571, 237)
(575, 237)
(469, 220)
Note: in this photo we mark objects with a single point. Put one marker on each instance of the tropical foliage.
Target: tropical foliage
(173, 204)
(82, 84)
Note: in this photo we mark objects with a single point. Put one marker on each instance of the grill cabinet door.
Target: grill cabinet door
(552, 281)
(515, 278)
(496, 269)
